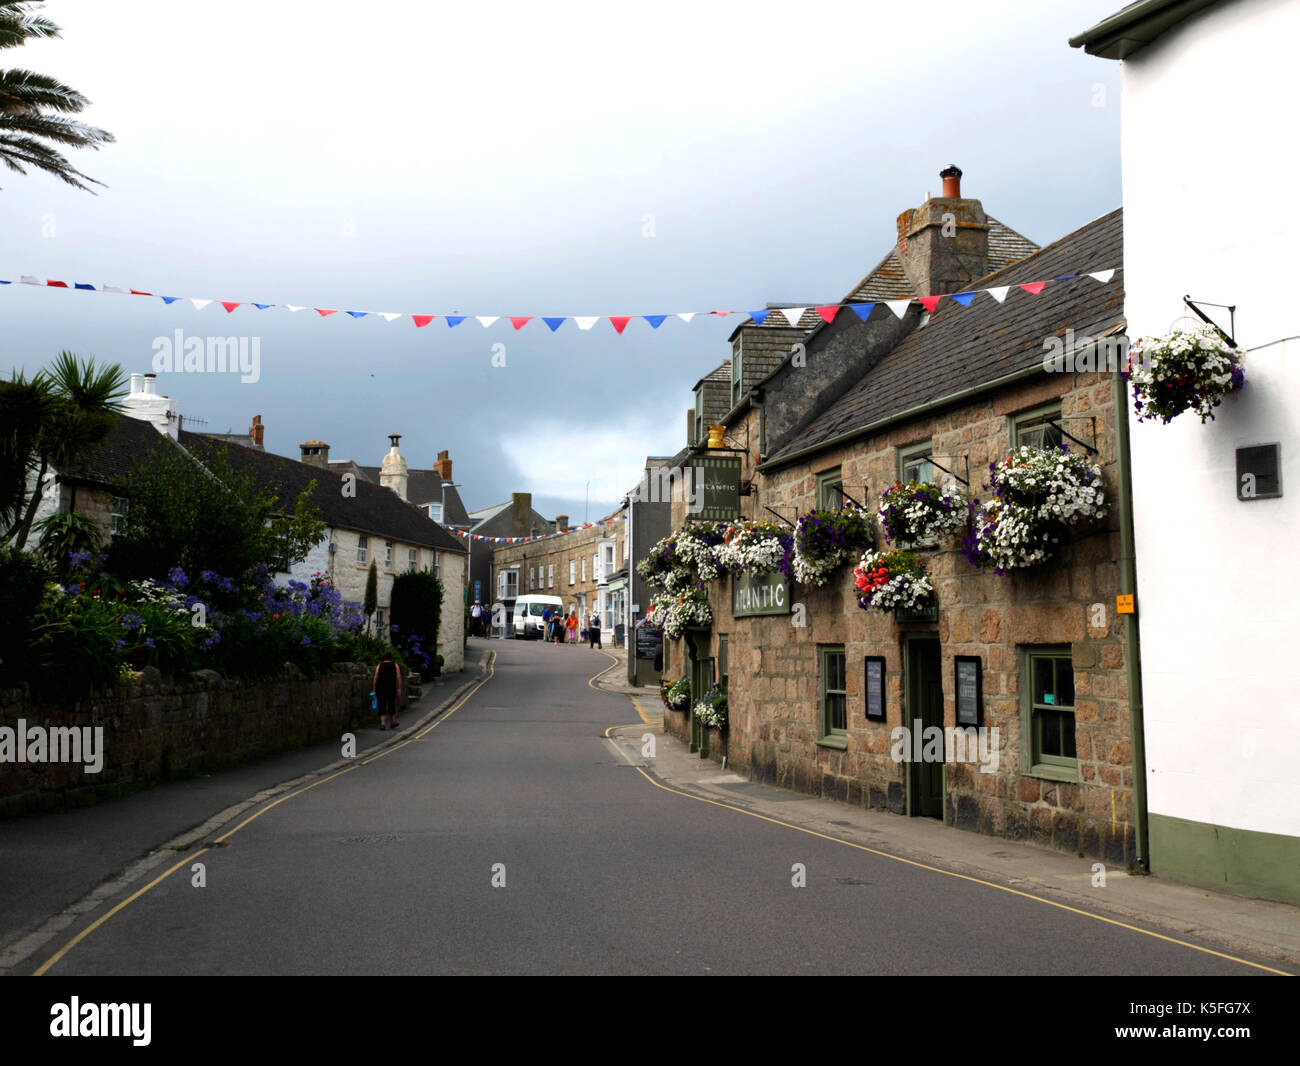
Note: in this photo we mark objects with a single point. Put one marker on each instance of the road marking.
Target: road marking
(936, 869)
(105, 917)
(253, 817)
(637, 705)
(614, 662)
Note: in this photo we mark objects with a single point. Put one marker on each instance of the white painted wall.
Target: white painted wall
(1209, 158)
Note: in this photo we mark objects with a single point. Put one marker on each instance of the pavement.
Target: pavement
(555, 768)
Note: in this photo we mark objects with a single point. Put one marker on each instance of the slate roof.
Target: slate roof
(128, 442)
(374, 509)
(422, 487)
(964, 347)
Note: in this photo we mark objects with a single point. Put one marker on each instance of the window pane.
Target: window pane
(1044, 686)
(836, 712)
(1064, 683)
(1049, 733)
(918, 468)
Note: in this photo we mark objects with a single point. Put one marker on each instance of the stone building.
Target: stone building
(932, 390)
(586, 566)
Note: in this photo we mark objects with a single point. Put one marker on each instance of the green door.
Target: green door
(924, 705)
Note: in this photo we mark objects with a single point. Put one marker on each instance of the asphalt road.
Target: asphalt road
(389, 868)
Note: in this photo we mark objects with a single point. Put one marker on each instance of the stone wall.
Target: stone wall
(773, 689)
(157, 729)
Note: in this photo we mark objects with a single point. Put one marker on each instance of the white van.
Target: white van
(528, 615)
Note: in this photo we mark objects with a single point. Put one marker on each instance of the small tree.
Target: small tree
(371, 603)
(197, 513)
(417, 612)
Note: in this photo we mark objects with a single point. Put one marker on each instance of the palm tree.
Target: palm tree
(33, 106)
(49, 422)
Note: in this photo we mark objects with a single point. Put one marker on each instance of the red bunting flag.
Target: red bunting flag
(137, 292)
(828, 312)
(518, 323)
(422, 320)
(619, 322)
(322, 311)
(229, 305)
(57, 284)
(1033, 287)
(930, 302)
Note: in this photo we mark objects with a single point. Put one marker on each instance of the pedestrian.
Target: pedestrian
(593, 628)
(547, 616)
(572, 626)
(387, 686)
(476, 612)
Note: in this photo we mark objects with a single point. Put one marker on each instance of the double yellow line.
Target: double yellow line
(53, 959)
(934, 869)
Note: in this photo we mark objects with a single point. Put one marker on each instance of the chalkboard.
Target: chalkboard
(970, 696)
(649, 642)
(875, 687)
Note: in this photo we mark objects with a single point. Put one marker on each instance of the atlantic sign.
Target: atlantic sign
(759, 594)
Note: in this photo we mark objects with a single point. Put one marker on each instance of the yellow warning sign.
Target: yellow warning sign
(1124, 604)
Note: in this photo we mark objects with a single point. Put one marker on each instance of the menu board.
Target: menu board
(970, 701)
(649, 642)
(875, 687)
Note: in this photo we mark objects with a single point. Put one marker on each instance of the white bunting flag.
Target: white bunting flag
(27, 279)
(1103, 275)
(486, 320)
(793, 314)
(899, 307)
(999, 293)
(686, 316)
(295, 307)
(586, 321)
(388, 316)
(199, 304)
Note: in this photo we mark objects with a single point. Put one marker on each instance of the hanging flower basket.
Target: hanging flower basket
(826, 540)
(1188, 370)
(676, 695)
(756, 548)
(911, 513)
(1039, 494)
(683, 611)
(659, 562)
(890, 580)
(711, 708)
(697, 545)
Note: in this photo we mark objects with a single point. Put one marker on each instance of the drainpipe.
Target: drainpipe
(1132, 649)
(756, 398)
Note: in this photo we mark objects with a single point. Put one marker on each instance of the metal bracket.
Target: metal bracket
(1232, 318)
(964, 480)
(1065, 433)
(780, 516)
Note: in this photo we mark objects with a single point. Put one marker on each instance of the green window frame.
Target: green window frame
(832, 696)
(1047, 713)
(737, 376)
(119, 510)
(723, 647)
(1030, 428)
(830, 490)
(699, 415)
(914, 463)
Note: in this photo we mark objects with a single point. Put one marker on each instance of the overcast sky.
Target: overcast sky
(520, 159)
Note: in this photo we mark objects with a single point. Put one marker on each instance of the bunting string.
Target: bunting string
(792, 315)
(539, 536)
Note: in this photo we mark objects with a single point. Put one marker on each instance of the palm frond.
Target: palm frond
(18, 153)
(18, 24)
(25, 90)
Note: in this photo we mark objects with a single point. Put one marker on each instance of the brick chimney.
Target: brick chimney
(443, 466)
(392, 472)
(255, 431)
(561, 522)
(316, 453)
(944, 243)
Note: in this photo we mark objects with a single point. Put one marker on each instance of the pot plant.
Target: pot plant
(912, 513)
(891, 580)
(826, 540)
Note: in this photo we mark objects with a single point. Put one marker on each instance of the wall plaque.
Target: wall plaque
(875, 687)
(759, 594)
